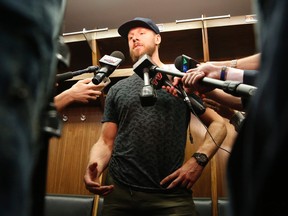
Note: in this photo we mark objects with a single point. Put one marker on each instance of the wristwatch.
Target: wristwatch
(201, 158)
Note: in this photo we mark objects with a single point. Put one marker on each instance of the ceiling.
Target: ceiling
(94, 14)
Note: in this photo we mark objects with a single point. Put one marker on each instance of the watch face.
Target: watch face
(201, 158)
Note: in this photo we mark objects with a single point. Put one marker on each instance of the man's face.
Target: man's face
(142, 41)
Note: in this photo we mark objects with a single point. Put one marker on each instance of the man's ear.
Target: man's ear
(158, 39)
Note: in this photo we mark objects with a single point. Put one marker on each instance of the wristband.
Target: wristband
(223, 73)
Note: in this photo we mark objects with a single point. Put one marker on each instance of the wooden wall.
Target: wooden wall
(68, 155)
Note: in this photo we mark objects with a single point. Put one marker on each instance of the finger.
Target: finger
(89, 182)
(107, 190)
(93, 96)
(184, 183)
(97, 87)
(102, 190)
(174, 183)
(192, 70)
(167, 179)
(86, 80)
(190, 79)
(189, 185)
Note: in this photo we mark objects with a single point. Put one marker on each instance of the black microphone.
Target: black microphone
(185, 63)
(159, 78)
(148, 94)
(71, 74)
(108, 65)
(234, 88)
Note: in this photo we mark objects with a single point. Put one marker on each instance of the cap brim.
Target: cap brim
(124, 29)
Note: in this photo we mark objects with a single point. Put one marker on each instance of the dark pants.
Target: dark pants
(128, 202)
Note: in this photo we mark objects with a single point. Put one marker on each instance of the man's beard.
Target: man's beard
(136, 56)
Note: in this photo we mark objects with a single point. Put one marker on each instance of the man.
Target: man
(144, 145)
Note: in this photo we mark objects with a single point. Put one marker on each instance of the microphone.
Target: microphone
(193, 101)
(159, 77)
(234, 88)
(148, 95)
(108, 65)
(185, 63)
(71, 74)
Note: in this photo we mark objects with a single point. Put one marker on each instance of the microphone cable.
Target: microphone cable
(196, 114)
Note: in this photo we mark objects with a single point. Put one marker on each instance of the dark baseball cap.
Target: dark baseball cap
(124, 29)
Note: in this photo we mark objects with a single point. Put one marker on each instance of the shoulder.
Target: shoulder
(134, 78)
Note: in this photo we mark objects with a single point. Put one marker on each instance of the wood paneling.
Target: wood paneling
(68, 155)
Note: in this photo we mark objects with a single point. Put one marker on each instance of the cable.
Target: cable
(218, 146)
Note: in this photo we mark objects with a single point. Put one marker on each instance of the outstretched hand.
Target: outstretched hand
(92, 181)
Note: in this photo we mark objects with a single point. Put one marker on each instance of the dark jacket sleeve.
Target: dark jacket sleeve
(250, 76)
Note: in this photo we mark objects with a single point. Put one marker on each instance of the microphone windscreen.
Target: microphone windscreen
(118, 54)
(184, 63)
(178, 63)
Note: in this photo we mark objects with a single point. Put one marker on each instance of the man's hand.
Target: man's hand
(92, 182)
(185, 176)
(193, 77)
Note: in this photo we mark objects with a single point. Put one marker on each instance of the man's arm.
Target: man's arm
(216, 132)
(99, 158)
(83, 91)
(191, 170)
(225, 99)
(246, 63)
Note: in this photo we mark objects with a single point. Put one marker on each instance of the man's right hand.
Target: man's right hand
(92, 181)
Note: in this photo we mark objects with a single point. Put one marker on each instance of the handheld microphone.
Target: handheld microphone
(234, 88)
(148, 95)
(71, 74)
(159, 78)
(185, 63)
(108, 65)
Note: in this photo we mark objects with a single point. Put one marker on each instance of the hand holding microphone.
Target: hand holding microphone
(82, 91)
(193, 78)
(199, 80)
